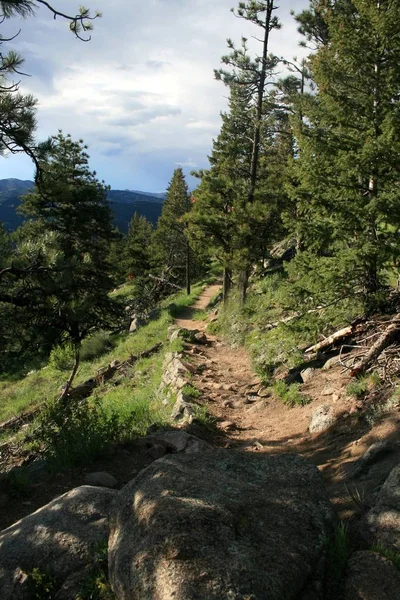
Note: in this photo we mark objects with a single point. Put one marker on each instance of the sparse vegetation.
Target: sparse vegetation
(338, 554)
(388, 553)
(289, 394)
(358, 387)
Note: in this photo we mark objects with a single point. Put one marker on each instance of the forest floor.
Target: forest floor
(249, 418)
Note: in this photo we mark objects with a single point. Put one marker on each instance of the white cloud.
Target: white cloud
(143, 89)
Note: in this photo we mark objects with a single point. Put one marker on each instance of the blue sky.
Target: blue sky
(141, 93)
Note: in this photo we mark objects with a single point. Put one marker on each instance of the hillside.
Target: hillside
(123, 203)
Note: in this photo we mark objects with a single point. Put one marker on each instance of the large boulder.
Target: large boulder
(60, 539)
(371, 577)
(219, 525)
(381, 525)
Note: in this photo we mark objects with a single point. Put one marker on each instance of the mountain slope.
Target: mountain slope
(123, 203)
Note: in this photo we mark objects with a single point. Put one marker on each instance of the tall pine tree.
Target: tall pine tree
(348, 167)
(171, 245)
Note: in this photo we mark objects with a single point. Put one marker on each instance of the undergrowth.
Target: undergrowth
(124, 407)
(388, 553)
(272, 328)
(289, 394)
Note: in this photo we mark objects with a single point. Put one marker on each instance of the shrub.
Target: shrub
(289, 394)
(358, 387)
(97, 344)
(62, 357)
(338, 554)
(76, 433)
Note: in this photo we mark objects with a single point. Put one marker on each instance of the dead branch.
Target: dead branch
(165, 281)
(390, 335)
(332, 339)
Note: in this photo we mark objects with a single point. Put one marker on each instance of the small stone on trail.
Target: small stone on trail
(227, 404)
(228, 387)
(227, 425)
(201, 338)
(321, 419)
(307, 375)
(258, 406)
(237, 404)
(328, 391)
(100, 479)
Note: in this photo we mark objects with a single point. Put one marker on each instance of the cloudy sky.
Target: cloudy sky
(142, 93)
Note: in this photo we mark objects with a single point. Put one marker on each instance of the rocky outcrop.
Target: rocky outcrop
(59, 538)
(381, 525)
(371, 577)
(176, 377)
(217, 525)
(177, 441)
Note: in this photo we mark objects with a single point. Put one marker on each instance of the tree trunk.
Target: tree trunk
(188, 269)
(74, 371)
(226, 284)
(243, 282)
(259, 108)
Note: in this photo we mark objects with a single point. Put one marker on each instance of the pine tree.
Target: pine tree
(17, 111)
(70, 233)
(137, 255)
(253, 74)
(171, 245)
(350, 148)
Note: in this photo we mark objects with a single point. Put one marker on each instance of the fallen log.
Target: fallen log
(390, 335)
(15, 423)
(332, 339)
(85, 389)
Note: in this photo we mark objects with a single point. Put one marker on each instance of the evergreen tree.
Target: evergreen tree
(350, 149)
(171, 245)
(70, 233)
(17, 111)
(137, 255)
(253, 74)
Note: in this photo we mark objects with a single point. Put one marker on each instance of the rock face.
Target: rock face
(322, 418)
(381, 525)
(178, 441)
(101, 479)
(374, 454)
(219, 525)
(59, 538)
(371, 577)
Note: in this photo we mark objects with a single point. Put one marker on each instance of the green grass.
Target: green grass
(338, 554)
(388, 553)
(289, 394)
(358, 388)
(120, 409)
(261, 328)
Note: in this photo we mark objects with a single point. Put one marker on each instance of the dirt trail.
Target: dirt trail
(248, 417)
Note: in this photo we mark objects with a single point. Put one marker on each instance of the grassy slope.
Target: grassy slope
(44, 384)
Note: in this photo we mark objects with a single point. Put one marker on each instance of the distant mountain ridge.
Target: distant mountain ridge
(123, 203)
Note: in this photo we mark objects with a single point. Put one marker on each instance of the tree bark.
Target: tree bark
(387, 338)
(188, 282)
(243, 282)
(260, 98)
(227, 282)
(74, 371)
